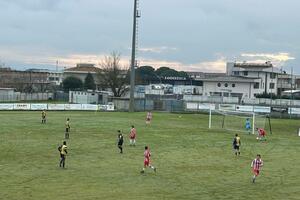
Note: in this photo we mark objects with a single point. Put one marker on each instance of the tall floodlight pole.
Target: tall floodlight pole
(133, 63)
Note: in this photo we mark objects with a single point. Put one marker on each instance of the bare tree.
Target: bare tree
(114, 76)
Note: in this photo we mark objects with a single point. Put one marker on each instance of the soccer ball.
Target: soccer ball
(257, 138)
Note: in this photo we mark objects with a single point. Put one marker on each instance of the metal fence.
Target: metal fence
(150, 104)
(246, 101)
(18, 96)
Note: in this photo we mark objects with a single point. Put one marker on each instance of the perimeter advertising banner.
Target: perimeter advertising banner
(191, 106)
(110, 107)
(262, 109)
(227, 107)
(294, 111)
(56, 106)
(7, 106)
(206, 106)
(244, 108)
(89, 107)
(35, 106)
(22, 106)
(73, 107)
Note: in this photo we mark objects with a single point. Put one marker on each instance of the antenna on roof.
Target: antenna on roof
(56, 65)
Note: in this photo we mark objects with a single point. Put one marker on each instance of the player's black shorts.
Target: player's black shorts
(236, 147)
(67, 130)
(120, 143)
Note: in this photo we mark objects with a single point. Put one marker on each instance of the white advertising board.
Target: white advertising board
(244, 108)
(110, 107)
(21, 106)
(191, 106)
(294, 111)
(73, 107)
(56, 106)
(102, 107)
(7, 106)
(207, 106)
(227, 107)
(36, 106)
(89, 107)
(262, 109)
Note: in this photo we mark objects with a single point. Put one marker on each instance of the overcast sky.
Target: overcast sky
(191, 35)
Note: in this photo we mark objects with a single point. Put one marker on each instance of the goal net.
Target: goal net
(237, 121)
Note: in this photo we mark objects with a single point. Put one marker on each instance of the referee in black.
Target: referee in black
(120, 141)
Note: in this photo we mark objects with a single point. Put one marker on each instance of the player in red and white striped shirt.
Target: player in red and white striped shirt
(147, 155)
(149, 117)
(132, 136)
(256, 166)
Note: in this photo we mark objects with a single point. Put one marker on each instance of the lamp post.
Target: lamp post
(133, 61)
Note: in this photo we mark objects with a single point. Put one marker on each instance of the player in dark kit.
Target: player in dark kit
(236, 144)
(44, 117)
(120, 141)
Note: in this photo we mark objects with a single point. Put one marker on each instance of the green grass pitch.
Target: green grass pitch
(192, 161)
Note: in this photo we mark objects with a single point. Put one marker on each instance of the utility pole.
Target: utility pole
(56, 66)
(133, 61)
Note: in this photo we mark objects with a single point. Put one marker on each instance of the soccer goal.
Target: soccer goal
(236, 121)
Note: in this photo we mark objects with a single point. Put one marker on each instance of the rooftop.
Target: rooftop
(204, 74)
(82, 67)
(231, 79)
(253, 65)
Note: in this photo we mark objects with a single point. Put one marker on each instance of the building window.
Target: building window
(236, 73)
(272, 75)
(219, 84)
(245, 73)
(272, 85)
(225, 94)
(226, 84)
(233, 85)
(256, 85)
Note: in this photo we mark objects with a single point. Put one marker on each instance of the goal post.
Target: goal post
(253, 123)
(236, 120)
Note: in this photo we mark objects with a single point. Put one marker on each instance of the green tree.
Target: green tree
(89, 82)
(113, 76)
(72, 83)
(168, 72)
(146, 75)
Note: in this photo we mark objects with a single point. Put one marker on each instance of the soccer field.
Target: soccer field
(192, 162)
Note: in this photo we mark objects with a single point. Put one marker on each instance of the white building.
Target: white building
(55, 77)
(242, 80)
(229, 86)
(81, 71)
(89, 97)
(265, 72)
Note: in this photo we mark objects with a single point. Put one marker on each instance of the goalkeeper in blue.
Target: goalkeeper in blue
(248, 125)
